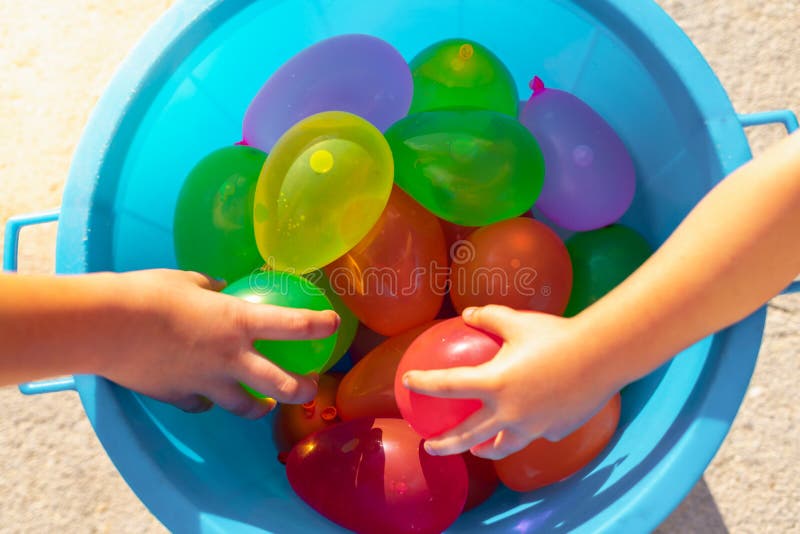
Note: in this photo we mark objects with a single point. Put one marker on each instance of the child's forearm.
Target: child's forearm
(52, 326)
(164, 333)
(738, 248)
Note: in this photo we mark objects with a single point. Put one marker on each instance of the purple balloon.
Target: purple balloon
(359, 74)
(589, 175)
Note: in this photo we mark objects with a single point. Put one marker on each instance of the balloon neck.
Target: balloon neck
(310, 408)
(329, 414)
(466, 51)
(537, 85)
(241, 143)
(283, 457)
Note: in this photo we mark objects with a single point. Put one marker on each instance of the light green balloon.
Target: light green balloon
(349, 324)
(291, 291)
(213, 224)
(459, 73)
(469, 167)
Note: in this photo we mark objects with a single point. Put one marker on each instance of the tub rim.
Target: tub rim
(132, 88)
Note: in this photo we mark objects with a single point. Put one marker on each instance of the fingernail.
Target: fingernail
(405, 379)
(272, 404)
(337, 322)
(469, 312)
(314, 378)
(429, 449)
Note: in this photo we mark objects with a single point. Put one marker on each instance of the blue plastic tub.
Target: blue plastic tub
(183, 93)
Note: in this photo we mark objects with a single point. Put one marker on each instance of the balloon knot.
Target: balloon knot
(329, 414)
(537, 85)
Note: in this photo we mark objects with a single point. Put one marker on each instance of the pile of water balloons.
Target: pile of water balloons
(399, 194)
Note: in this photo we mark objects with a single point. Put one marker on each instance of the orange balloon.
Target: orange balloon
(395, 278)
(545, 462)
(293, 422)
(519, 263)
(367, 390)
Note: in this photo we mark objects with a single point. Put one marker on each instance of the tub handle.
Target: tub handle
(13, 226)
(781, 116)
(51, 385)
(789, 120)
(10, 262)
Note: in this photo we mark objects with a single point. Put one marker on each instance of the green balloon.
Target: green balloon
(601, 260)
(458, 73)
(348, 326)
(469, 167)
(291, 291)
(213, 225)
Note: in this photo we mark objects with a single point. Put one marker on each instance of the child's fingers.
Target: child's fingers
(232, 397)
(453, 383)
(506, 443)
(494, 319)
(558, 433)
(193, 404)
(275, 322)
(205, 281)
(259, 373)
(476, 429)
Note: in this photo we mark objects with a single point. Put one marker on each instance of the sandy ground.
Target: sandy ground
(55, 59)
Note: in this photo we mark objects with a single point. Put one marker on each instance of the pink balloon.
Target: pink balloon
(450, 343)
(359, 74)
(373, 476)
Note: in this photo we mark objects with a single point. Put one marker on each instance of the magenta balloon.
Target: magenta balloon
(589, 175)
(359, 74)
(373, 476)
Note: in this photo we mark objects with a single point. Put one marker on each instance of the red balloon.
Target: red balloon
(545, 462)
(293, 422)
(450, 343)
(483, 480)
(367, 390)
(395, 278)
(453, 233)
(520, 263)
(373, 476)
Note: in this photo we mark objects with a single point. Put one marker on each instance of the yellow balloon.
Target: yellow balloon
(322, 189)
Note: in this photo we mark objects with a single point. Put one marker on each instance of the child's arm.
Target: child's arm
(739, 247)
(167, 334)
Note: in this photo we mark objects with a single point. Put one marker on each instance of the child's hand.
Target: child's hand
(543, 383)
(190, 346)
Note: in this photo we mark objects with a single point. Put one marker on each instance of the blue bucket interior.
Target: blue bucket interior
(183, 93)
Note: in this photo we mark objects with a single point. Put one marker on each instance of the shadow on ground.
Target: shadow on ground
(697, 513)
